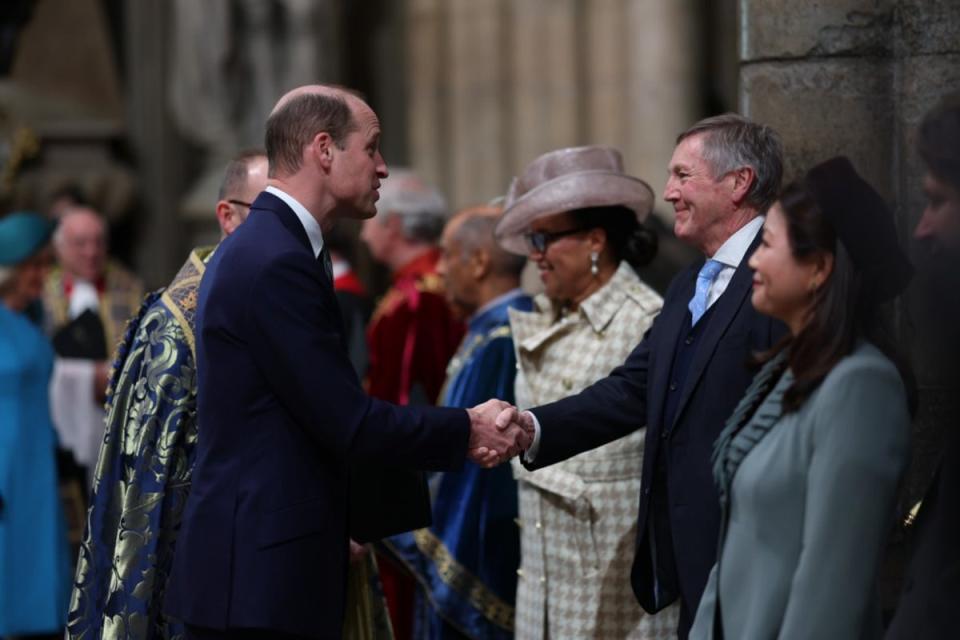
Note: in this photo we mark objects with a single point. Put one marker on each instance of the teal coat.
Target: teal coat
(808, 508)
(34, 560)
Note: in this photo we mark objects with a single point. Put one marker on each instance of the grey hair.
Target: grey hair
(421, 209)
(731, 141)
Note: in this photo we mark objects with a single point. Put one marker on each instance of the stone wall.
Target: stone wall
(855, 77)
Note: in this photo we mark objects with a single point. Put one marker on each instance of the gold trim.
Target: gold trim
(458, 578)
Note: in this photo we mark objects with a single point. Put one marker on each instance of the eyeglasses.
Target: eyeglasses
(241, 203)
(539, 240)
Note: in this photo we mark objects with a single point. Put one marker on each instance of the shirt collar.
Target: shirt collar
(310, 224)
(732, 251)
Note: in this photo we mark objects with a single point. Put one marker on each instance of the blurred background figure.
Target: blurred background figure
(579, 217)
(413, 332)
(87, 299)
(931, 591)
(34, 561)
(352, 296)
(466, 562)
(145, 465)
(824, 428)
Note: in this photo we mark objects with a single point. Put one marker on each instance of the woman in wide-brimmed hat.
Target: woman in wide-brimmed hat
(579, 218)
(34, 563)
(808, 465)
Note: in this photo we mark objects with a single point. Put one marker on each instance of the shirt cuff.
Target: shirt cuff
(531, 453)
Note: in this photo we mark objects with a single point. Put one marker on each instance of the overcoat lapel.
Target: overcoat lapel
(725, 311)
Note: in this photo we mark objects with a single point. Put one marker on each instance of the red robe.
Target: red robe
(411, 337)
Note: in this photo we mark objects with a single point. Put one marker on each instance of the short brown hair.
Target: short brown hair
(732, 141)
(295, 124)
(235, 177)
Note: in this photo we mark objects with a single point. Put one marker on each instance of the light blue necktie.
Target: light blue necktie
(698, 303)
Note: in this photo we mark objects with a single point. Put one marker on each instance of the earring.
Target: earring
(594, 269)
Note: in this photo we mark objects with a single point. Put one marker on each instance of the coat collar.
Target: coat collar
(533, 329)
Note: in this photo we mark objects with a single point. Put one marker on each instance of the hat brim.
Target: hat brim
(567, 193)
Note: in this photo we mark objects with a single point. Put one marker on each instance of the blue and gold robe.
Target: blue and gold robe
(466, 562)
(142, 476)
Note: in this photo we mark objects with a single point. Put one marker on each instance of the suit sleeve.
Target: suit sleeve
(299, 351)
(608, 409)
(860, 441)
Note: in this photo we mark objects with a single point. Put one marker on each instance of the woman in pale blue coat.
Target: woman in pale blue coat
(808, 465)
(34, 563)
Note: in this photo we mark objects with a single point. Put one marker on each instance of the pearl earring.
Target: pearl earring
(594, 269)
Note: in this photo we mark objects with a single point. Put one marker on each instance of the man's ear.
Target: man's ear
(480, 261)
(227, 218)
(323, 150)
(743, 179)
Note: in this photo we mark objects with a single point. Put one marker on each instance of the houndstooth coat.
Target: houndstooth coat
(578, 518)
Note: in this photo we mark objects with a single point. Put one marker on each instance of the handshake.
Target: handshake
(498, 431)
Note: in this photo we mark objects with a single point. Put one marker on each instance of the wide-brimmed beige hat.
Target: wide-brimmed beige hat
(568, 179)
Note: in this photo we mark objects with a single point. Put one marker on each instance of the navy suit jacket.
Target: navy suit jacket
(281, 414)
(635, 394)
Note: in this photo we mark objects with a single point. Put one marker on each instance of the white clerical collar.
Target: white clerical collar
(732, 251)
(310, 224)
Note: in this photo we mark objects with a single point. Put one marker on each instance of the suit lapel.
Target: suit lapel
(725, 311)
(673, 320)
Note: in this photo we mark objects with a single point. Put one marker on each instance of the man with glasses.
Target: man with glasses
(685, 377)
(146, 460)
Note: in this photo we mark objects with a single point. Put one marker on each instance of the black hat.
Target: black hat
(864, 224)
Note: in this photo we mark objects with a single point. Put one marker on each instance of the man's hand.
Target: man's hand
(498, 432)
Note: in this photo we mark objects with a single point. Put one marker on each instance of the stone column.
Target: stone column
(495, 83)
(855, 77)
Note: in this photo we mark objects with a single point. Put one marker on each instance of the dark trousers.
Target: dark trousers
(202, 633)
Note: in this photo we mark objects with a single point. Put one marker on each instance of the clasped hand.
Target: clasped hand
(498, 432)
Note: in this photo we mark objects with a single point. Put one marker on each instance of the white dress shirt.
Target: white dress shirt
(310, 224)
(731, 253)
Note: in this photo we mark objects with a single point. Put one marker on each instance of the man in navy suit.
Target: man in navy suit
(691, 368)
(263, 548)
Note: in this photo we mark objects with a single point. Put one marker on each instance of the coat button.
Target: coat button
(646, 491)
(567, 384)
(689, 340)
(673, 386)
(538, 525)
(519, 573)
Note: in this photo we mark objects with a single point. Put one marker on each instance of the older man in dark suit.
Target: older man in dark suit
(263, 549)
(687, 374)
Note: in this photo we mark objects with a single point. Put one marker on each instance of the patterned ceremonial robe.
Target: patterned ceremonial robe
(466, 562)
(143, 477)
(411, 337)
(578, 518)
(120, 295)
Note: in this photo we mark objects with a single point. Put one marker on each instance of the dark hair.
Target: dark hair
(627, 238)
(295, 124)
(842, 312)
(235, 177)
(938, 140)
(732, 141)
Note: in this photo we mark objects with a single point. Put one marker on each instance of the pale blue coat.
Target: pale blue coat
(808, 510)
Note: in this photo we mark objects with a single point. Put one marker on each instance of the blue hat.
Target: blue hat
(22, 234)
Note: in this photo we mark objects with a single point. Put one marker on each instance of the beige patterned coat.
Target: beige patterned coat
(578, 518)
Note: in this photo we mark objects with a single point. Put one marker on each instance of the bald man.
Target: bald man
(87, 301)
(474, 510)
(263, 548)
(146, 461)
